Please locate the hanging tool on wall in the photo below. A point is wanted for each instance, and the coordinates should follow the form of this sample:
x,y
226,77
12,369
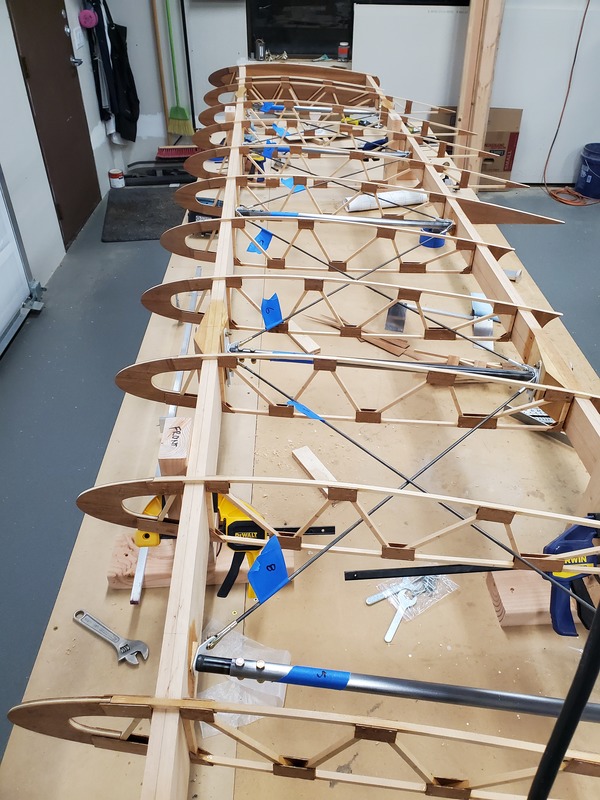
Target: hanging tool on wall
x,y
178,121
574,538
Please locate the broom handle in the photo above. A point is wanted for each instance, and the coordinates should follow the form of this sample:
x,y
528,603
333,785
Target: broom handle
x,y
172,49
161,67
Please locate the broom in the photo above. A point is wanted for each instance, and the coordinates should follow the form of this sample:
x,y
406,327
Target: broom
x,y
178,122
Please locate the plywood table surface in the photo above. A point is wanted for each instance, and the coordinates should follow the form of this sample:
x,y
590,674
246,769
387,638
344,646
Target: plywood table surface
x,y
321,619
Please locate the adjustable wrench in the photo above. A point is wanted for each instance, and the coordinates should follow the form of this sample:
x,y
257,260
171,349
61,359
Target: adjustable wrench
x,y
127,649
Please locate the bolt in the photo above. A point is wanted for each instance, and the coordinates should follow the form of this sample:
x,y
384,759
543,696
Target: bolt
x,y
239,662
260,664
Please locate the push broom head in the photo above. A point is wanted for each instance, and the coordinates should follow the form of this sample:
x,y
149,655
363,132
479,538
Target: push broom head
x,y
179,122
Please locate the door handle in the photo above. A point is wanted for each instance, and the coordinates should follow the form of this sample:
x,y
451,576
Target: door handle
x,y
77,62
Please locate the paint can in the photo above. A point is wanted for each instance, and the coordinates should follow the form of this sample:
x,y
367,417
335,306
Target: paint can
x,y
116,178
343,51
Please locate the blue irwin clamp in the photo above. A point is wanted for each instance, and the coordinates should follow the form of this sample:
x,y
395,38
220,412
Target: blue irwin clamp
x,y
577,537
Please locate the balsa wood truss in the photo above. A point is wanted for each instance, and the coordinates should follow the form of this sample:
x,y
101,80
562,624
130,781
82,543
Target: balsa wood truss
x,y
284,157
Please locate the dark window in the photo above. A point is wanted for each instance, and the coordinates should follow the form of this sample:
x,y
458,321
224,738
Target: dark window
x,y
300,27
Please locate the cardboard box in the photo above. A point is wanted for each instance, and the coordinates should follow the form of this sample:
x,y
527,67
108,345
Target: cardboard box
x,y
501,138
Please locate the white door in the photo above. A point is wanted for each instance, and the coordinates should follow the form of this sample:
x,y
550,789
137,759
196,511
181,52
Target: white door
x,y
14,284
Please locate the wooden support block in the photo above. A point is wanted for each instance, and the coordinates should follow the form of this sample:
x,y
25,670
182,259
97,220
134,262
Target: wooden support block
x,y
448,788
413,267
340,266
441,378
368,415
295,769
373,734
313,284
386,233
471,420
495,515
340,493
350,331
159,564
281,410
275,263
398,551
520,597
174,446
440,333
322,365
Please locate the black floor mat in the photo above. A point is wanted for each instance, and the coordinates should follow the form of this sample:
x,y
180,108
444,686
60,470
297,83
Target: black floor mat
x,y
136,213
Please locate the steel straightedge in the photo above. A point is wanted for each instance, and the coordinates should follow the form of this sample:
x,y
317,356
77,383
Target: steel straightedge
x,y
391,687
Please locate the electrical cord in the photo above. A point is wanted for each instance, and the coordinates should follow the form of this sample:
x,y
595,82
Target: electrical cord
x,y
566,195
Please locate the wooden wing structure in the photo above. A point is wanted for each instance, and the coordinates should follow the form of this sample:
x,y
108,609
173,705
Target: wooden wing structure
x,y
391,342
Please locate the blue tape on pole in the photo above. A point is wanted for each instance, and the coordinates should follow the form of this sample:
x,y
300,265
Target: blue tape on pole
x,y
263,238
268,574
271,311
289,183
304,410
313,676
284,213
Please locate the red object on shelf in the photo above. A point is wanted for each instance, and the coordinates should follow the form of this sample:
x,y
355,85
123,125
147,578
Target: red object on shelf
x,y
176,151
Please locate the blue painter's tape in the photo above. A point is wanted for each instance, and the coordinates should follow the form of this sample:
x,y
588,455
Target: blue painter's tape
x,y
263,238
320,678
270,309
268,152
270,106
268,574
285,213
279,130
289,183
304,410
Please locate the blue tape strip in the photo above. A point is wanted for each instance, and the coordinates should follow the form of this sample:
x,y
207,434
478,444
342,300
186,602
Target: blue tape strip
x,y
263,238
279,130
304,410
268,574
270,309
289,183
313,676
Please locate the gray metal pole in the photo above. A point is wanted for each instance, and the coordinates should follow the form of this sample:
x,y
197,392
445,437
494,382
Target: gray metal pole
x,y
392,687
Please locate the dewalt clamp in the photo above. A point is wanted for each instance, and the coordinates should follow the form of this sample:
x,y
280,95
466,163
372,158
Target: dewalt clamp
x,y
577,537
235,523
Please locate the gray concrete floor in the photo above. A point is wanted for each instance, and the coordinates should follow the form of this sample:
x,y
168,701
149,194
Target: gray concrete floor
x,y
564,260
58,404
58,400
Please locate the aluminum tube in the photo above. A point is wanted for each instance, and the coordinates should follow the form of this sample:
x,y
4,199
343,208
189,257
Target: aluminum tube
x,y
432,225
391,687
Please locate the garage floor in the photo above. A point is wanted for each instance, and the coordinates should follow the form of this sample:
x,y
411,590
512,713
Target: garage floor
x,y
58,401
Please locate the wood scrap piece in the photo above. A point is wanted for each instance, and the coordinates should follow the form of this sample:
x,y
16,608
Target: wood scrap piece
x,y
314,468
159,564
304,342
520,597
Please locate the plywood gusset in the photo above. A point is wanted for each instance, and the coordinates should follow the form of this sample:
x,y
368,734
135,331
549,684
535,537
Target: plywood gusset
x,y
357,272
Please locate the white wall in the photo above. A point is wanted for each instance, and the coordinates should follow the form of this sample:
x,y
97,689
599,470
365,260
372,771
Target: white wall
x,y
418,53
534,57
22,163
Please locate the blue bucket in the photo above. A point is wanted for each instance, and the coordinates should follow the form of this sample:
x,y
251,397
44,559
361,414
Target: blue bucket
x,y
588,182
